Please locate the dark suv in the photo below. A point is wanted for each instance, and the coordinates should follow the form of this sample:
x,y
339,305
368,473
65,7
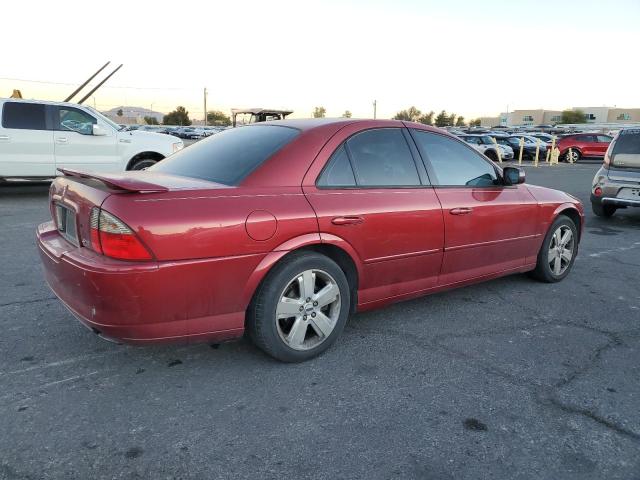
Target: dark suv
x,y
617,183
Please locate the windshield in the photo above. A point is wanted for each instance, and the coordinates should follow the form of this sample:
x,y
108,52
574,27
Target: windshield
x,y
487,140
104,119
230,156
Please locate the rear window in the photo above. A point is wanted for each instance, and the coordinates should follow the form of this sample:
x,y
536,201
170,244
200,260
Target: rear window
x,y
25,116
230,156
626,150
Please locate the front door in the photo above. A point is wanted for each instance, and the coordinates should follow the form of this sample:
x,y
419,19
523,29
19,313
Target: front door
x,y
77,148
489,227
372,195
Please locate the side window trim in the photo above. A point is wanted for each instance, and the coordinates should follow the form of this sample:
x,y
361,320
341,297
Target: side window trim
x,y
421,176
431,171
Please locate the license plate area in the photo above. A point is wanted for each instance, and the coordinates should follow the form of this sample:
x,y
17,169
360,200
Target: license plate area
x,y
66,223
629,193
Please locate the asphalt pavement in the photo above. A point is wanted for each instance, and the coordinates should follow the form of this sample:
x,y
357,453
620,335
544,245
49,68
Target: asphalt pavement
x,y
510,379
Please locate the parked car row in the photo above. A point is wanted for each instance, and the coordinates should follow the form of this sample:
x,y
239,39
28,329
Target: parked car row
x,y
190,133
573,147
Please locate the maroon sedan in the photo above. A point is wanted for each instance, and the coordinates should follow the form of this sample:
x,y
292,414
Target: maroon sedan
x,y
283,229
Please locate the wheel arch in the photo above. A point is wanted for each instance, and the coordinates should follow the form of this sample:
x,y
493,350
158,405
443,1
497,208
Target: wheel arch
x,y
146,154
572,212
333,247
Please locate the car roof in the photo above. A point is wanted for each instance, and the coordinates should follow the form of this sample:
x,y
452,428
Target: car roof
x,y
46,102
305,124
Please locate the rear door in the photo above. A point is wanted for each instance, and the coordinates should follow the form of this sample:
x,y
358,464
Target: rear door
x,y
489,227
373,195
587,145
75,145
26,141
601,145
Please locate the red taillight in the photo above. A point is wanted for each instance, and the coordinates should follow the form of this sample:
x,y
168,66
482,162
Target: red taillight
x,y
110,236
597,191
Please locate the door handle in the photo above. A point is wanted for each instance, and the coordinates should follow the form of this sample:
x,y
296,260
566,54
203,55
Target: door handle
x,y
61,140
4,138
461,211
348,220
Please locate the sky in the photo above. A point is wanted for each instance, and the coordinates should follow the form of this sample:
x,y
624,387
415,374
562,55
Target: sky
x,y
474,58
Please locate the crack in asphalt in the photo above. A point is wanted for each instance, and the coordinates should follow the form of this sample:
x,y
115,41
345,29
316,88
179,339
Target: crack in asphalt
x,y
542,394
26,302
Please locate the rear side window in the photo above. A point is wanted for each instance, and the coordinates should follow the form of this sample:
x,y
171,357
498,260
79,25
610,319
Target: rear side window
x,y
454,163
382,158
626,149
230,156
338,172
25,116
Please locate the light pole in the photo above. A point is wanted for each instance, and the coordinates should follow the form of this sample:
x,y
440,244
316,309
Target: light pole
x,y
205,106
375,106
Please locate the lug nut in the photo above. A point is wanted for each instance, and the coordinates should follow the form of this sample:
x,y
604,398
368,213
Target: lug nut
x,y
315,304
313,314
308,299
304,317
301,308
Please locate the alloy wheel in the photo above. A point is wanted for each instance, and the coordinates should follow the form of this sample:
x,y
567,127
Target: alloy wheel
x,y
308,309
561,250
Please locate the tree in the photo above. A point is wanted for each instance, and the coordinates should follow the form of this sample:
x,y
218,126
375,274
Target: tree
x,y
572,116
119,112
427,118
412,114
319,112
150,120
475,123
452,119
443,120
346,114
179,116
460,121
216,117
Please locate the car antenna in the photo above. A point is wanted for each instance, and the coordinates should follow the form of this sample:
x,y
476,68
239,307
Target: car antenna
x,y
75,92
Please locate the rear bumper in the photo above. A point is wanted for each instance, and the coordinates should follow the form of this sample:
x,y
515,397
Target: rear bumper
x,y
618,202
147,302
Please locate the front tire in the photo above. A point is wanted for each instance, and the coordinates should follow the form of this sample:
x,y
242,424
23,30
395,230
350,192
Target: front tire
x,y
301,307
558,251
573,158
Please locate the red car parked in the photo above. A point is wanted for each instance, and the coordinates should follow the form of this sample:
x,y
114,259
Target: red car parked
x,y
282,229
583,145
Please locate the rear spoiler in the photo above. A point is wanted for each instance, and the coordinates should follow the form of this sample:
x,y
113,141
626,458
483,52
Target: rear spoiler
x,y
117,181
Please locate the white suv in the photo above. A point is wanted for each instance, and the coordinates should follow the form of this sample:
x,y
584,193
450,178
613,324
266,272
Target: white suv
x,y
38,137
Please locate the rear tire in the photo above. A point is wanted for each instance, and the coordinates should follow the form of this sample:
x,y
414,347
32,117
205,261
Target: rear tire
x,y
558,251
290,318
601,210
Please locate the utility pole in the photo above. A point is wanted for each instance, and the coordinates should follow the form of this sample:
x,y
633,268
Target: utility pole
x,y
375,106
205,106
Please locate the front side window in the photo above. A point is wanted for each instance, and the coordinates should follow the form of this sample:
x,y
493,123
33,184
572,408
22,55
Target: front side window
x,y
24,116
229,156
454,163
604,139
74,120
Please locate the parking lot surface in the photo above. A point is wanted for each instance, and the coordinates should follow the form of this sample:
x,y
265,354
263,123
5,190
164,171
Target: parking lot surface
x,y
510,379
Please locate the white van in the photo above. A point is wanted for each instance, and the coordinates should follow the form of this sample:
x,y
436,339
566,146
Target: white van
x,y
38,137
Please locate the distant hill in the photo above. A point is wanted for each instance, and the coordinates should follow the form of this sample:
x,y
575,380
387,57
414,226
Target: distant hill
x,y
134,112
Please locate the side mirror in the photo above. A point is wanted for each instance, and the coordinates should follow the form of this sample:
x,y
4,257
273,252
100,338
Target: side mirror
x,y
513,175
98,131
